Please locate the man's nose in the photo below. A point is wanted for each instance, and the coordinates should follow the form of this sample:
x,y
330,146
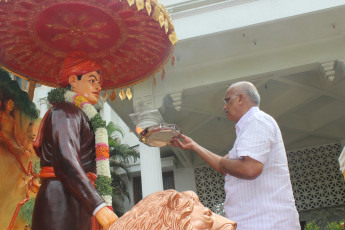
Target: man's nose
x,y
98,87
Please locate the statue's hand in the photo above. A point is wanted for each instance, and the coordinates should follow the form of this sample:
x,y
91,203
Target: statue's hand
x,y
106,217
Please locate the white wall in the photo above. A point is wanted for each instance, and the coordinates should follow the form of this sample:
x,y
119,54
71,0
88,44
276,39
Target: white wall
x,y
40,95
213,17
184,179
128,137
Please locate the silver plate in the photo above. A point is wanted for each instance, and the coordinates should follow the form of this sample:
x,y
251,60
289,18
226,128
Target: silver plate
x,y
159,135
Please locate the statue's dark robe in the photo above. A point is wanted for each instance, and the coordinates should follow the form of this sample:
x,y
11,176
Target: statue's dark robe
x,y
68,145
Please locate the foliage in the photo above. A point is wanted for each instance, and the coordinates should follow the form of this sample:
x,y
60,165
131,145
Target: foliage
x,y
330,226
120,190
9,89
311,226
97,122
36,167
26,211
103,185
120,155
119,152
334,226
112,129
56,95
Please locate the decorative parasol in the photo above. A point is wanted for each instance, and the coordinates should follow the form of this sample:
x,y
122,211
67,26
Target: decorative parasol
x,y
131,39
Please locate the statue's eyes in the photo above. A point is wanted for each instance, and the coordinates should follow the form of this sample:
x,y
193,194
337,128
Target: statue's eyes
x,y
92,78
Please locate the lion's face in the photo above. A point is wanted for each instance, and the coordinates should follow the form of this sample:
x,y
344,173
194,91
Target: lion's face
x,y
203,218
170,209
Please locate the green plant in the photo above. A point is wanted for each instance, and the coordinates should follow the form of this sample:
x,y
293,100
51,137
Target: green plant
x,y
56,95
120,155
334,226
311,226
26,210
10,89
112,129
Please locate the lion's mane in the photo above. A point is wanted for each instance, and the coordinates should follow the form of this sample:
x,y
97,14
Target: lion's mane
x,y
162,210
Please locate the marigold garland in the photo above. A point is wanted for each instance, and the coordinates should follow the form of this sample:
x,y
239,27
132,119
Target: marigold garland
x,y
102,151
103,181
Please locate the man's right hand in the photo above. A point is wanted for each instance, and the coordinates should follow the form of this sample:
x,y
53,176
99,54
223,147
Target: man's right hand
x,y
183,142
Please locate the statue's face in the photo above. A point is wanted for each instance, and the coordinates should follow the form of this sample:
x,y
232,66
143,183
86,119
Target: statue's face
x,y
9,105
88,86
203,218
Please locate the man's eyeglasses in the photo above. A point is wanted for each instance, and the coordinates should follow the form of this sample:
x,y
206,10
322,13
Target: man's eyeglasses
x,y
227,99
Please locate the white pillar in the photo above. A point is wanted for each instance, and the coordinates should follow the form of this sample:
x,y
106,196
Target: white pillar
x,y
151,169
150,159
44,104
106,112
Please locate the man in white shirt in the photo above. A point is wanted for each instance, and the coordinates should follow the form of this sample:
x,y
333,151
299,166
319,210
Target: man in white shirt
x,y
257,179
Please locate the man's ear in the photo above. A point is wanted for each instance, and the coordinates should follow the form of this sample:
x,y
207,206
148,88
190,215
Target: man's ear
x,y
241,97
72,80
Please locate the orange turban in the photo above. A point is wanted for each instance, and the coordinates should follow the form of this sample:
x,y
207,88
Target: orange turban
x,y
76,63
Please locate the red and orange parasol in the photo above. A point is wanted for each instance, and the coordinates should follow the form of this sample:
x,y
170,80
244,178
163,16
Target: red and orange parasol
x,y
131,39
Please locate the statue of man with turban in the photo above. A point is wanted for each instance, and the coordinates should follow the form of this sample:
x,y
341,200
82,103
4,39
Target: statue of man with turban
x,y
67,198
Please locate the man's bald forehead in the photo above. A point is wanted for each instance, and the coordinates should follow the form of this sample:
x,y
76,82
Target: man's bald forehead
x,y
241,84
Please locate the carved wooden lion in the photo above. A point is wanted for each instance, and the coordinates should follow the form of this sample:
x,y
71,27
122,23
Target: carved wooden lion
x,y
174,211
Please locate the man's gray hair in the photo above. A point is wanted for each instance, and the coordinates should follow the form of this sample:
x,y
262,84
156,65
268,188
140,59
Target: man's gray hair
x,y
249,90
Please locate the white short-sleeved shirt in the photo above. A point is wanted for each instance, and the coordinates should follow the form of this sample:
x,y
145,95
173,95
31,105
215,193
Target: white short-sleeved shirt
x,y
267,202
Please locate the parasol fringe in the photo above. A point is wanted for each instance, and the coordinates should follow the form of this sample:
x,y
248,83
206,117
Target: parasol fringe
x,y
156,12
140,4
148,7
122,94
130,2
161,19
129,94
161,15
173,38
31,89
112,96
154,80
173,59
163,74
166,26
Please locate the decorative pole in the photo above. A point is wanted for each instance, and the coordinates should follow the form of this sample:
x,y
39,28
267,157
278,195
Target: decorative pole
x,y
31,89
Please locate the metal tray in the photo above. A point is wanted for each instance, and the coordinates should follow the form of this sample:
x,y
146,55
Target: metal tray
x,y
159,135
